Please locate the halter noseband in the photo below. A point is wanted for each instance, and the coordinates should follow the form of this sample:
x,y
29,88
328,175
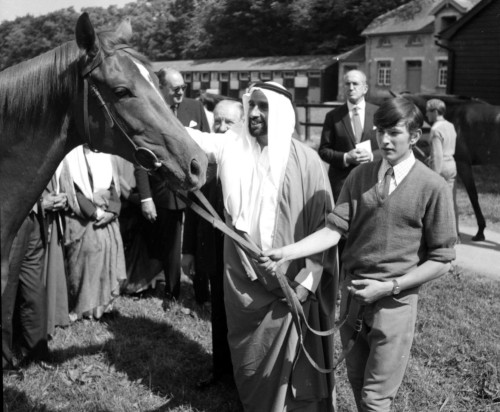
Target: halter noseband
x,y
90,87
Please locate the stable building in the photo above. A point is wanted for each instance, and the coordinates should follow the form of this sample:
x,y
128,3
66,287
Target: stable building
x,y
473,45
402,53
310,79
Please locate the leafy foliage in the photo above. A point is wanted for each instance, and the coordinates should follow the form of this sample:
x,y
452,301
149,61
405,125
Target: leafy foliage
x,y
178,29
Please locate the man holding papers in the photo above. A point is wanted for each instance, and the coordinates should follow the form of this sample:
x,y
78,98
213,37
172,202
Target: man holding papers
x,y
348,136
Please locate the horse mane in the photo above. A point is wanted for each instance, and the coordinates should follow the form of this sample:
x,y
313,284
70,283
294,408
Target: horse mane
x,y
37,93
37,89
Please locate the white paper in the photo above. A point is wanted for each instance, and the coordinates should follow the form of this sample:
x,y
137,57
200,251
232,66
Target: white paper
x,y
366,145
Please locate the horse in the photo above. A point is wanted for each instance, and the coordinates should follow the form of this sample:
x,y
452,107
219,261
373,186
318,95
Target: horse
x,y
478,139
94,90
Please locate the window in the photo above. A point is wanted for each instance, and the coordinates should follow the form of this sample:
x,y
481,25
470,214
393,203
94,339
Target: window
x,y
187,77
276,75
414,40
223,77
205,77
234,75
384,73
244,76
447,21
442,73
288,75
214,76
196,77
384,42
254,76
265,76
314,74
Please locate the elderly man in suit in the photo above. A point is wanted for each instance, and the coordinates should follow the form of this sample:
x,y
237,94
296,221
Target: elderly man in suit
x,y
158,204
348,136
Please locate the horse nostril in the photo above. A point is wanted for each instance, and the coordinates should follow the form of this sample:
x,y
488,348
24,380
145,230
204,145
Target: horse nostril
x,y
195,168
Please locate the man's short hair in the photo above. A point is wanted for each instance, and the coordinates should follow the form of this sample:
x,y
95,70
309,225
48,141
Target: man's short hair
x,y
436,104
231,102
163,73
361,73
393,111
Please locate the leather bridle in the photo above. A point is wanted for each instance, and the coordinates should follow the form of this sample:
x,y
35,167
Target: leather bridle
x,y
90,88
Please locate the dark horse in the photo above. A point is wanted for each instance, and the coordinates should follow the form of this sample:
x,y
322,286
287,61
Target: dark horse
x,y
46,110
478,139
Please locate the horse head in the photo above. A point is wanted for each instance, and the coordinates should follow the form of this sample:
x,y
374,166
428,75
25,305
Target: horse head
x,y
122,105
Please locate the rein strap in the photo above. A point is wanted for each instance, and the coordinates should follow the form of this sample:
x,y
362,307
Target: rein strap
x,y
250,248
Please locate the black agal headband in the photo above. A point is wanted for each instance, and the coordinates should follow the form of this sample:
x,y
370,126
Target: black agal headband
x,y
274,88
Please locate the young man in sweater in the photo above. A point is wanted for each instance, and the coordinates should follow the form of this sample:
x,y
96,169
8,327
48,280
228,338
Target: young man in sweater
x,y
398,217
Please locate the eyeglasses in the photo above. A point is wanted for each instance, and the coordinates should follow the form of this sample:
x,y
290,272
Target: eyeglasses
x,y
179,88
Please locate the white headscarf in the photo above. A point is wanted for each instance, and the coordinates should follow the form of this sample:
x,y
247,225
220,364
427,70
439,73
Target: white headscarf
x,y
251,194
101,170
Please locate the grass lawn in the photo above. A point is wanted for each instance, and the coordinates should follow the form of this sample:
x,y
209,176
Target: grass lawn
x,y
144,359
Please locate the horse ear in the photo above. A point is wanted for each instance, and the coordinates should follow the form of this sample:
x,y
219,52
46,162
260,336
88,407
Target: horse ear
x,y
124,30
85,35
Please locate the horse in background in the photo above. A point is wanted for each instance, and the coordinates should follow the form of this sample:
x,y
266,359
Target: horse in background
x,y
478,139
95,90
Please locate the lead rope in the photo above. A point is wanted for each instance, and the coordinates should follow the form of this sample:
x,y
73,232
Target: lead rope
x,y
297,312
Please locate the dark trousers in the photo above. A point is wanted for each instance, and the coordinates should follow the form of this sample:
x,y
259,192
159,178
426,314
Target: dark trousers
x,y
164,242
221,356
25,293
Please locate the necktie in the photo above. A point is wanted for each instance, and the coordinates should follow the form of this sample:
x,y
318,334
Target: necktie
x,y
356,120
386,183
174,109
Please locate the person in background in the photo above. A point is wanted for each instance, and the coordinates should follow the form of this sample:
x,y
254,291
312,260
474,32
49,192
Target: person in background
x,y
443,138
202,250
26,341
159,205
275,191
348,137
143,271
398,215
94,248
54,203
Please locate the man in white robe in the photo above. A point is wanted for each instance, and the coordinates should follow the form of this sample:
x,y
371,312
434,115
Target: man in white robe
x,y
275,191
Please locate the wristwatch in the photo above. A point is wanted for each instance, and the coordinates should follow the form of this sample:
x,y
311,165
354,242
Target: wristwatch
x,y
395,287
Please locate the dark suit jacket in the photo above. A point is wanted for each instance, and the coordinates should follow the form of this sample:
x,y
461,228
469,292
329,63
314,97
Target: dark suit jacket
x,y
191,113
337,138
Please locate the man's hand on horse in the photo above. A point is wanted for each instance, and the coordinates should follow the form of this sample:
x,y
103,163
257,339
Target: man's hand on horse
x,y
149,210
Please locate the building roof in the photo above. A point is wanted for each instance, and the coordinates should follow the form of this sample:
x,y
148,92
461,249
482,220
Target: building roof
x,y
450,31
311,62
355,55
414,16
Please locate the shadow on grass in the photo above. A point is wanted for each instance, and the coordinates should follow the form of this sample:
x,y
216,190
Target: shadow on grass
x,y
15,400
157,354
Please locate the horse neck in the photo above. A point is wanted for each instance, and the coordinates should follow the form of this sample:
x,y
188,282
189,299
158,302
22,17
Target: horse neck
x,y
37,94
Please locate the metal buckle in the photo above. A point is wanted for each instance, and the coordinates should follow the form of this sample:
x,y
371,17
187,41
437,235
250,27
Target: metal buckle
x,y
146,159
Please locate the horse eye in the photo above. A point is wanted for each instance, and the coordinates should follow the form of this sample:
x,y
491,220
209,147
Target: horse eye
x,y
121,92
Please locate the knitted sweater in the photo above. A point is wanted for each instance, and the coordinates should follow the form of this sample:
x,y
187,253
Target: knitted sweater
x,y
386,239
